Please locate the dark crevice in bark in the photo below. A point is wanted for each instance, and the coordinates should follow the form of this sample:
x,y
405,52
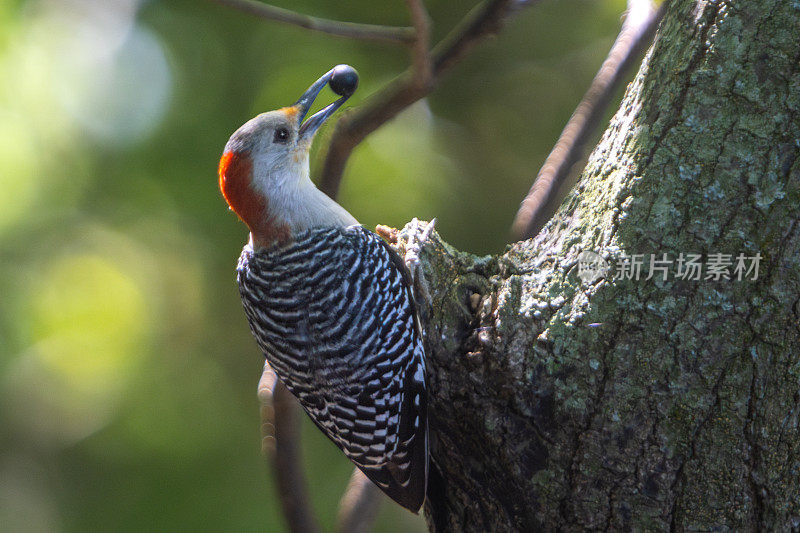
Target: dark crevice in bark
x,y
748,431
678,104
680,477
567,513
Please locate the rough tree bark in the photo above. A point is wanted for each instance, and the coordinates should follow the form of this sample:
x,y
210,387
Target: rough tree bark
x,y
640,404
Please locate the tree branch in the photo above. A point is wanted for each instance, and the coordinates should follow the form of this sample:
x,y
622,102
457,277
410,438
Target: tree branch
x,y
485,20
423,71
358,508
547,191
352,30
280,430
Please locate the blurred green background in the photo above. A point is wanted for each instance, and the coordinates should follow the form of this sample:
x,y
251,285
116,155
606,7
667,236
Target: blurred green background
x,y
127,371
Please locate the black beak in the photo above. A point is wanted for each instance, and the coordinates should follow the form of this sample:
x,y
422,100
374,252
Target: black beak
x,y
343,80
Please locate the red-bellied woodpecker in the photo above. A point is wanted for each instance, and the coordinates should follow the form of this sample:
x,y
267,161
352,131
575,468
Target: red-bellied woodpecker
x,y
329,303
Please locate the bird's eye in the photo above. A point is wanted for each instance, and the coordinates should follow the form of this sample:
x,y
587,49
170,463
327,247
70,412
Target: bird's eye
x,y
281,135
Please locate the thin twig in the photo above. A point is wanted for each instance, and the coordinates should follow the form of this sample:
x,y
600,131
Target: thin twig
x,y
485,20
359,506
421,54
280,431
352,30
548,191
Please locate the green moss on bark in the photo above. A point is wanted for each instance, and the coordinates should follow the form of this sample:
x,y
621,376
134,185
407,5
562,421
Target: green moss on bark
x,y
640,404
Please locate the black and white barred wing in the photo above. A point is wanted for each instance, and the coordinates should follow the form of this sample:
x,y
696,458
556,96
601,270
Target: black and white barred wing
x,y
335,317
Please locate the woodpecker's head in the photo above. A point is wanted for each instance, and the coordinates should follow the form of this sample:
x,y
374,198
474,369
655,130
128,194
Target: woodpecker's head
x,y
264,174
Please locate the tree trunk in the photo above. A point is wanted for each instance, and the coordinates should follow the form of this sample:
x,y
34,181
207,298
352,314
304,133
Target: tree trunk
x,y
561,402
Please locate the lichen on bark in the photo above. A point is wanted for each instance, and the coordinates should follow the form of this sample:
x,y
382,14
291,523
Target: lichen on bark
x,y
643,404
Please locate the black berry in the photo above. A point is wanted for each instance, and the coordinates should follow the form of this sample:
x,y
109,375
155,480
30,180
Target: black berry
x,y
344,80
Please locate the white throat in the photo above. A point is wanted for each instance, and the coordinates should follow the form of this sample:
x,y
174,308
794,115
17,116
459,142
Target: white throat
x,y
294,200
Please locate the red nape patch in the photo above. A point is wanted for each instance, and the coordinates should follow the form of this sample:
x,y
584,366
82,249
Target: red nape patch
x,y
235,173
235,176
